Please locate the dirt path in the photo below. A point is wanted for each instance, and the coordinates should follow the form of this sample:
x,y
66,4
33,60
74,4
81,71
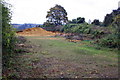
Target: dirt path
x,y
50,57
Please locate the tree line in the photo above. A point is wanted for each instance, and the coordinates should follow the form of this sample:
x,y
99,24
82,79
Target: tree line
x,y
57,20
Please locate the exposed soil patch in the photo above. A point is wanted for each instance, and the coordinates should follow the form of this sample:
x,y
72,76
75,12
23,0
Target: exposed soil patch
x,y
41,32
35,32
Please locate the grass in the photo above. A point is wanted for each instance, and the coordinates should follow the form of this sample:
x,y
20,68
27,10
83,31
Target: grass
x,y
52,55
74,51
83,47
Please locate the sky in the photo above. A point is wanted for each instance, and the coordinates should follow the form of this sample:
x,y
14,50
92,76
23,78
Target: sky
x,y
35,11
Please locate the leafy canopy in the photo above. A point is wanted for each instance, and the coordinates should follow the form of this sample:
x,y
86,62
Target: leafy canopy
x,y
57,15
8,34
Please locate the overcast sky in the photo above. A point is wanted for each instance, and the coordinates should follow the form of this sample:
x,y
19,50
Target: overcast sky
x,y
35,11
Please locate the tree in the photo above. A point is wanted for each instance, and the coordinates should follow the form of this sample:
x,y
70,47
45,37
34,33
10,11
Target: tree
x,y
57,15
109,18
80,20
96,22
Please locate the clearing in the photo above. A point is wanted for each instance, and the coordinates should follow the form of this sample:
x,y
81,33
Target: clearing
x,y
56,57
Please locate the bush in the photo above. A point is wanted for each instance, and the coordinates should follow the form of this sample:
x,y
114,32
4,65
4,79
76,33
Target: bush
x,y
8,36
8,33
77,28
113,40
110,41
97,33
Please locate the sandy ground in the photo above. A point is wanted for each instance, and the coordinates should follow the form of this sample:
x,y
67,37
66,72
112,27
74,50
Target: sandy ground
x,y
35,32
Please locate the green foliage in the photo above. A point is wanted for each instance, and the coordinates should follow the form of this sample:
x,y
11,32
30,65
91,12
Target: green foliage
x,y
116,25
68,28
96,33
110,41
77,28
113,40
84,28
81,28
8,36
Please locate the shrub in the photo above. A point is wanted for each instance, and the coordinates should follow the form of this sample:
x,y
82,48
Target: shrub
x,y
110,41
113,40
77,28
8,36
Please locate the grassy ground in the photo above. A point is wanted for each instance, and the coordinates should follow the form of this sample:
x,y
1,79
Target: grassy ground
x,y
58,58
